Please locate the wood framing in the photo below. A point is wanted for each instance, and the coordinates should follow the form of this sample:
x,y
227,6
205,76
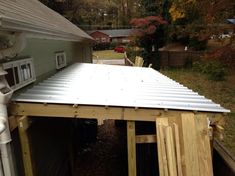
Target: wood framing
x,y
96,112
13,122
161,147
131,148
203,146
23,125
143,139
190,145
177,131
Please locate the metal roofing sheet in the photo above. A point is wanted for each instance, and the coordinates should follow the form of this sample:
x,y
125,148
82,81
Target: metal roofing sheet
x,y
109,85
33,16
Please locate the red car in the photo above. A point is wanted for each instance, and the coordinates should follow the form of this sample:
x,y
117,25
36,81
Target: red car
x,y
120,49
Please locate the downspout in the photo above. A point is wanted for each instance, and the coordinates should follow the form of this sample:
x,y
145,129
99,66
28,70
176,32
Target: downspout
x,y
16,46
16,43
5,136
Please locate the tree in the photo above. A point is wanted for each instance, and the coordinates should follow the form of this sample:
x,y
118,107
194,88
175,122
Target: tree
x,y
150,37
200,19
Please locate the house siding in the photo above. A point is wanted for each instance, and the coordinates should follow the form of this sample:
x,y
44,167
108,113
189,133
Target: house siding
x,y
50,139
43,53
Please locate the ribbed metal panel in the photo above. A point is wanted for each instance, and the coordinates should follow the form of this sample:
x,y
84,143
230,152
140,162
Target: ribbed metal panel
x,y
33,16
108,85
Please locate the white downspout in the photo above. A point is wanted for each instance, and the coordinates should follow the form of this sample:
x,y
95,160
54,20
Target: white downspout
x,y
5,137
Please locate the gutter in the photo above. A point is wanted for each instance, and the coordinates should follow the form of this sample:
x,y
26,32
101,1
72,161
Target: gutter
x,y
48,33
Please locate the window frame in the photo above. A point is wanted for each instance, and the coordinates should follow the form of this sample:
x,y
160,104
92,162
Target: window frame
x,y
30,72
64,63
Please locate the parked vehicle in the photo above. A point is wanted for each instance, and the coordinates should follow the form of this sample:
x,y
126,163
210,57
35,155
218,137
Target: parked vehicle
x,y
120,49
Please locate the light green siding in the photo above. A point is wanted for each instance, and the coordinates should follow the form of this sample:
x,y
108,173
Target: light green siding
x,y
43,53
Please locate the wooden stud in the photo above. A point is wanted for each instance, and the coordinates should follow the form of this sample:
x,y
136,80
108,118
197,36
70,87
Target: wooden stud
x,y
25,145
131,147
143,139
163,150
162,160
190,144
13,123
177,149
203,146
178,121
170,152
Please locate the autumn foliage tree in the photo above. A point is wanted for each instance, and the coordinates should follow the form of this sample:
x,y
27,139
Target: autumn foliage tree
x,y
194,20
201,19
149,35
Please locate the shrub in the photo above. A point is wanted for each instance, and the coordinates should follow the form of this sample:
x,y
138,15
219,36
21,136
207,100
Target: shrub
x,y
214,70
113,45
197,44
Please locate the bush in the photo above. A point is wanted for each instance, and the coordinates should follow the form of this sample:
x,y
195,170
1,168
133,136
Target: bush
x,y
214,70
198,45
101,46
113,45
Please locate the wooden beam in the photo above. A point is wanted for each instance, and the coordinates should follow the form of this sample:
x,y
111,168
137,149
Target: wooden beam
x,y
190,144
23,124
177,149
203,146
161,148
13,122
170,151
131,147
143,139
96,112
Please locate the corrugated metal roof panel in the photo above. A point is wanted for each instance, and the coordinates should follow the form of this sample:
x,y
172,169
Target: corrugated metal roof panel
x,y
109,85
33,16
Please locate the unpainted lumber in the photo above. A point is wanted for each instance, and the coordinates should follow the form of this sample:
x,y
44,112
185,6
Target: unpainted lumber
x,y
131,147
25,146
170,152
203,146
161,148
143,139
177,149
190,144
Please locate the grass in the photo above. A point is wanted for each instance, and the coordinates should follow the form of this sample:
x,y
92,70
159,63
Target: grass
x,y
107,54
222,92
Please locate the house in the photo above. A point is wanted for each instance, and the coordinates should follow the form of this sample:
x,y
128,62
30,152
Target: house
x,y
35,42
114,35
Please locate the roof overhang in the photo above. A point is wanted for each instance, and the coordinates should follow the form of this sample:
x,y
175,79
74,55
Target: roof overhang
x,y
38,21
34,31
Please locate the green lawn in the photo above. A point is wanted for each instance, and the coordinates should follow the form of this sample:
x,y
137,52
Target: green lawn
x,y
222,92
107,54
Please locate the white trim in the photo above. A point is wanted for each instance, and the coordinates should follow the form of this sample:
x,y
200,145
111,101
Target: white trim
x,y
60,59
25,75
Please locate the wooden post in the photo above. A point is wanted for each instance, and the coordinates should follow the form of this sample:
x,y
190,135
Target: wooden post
x,y
131,147
23,125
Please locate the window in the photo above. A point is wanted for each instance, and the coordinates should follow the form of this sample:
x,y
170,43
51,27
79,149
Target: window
x,y
103,39
20,73
60,59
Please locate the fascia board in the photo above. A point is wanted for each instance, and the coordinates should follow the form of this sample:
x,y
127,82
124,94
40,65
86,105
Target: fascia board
x,y
38,31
